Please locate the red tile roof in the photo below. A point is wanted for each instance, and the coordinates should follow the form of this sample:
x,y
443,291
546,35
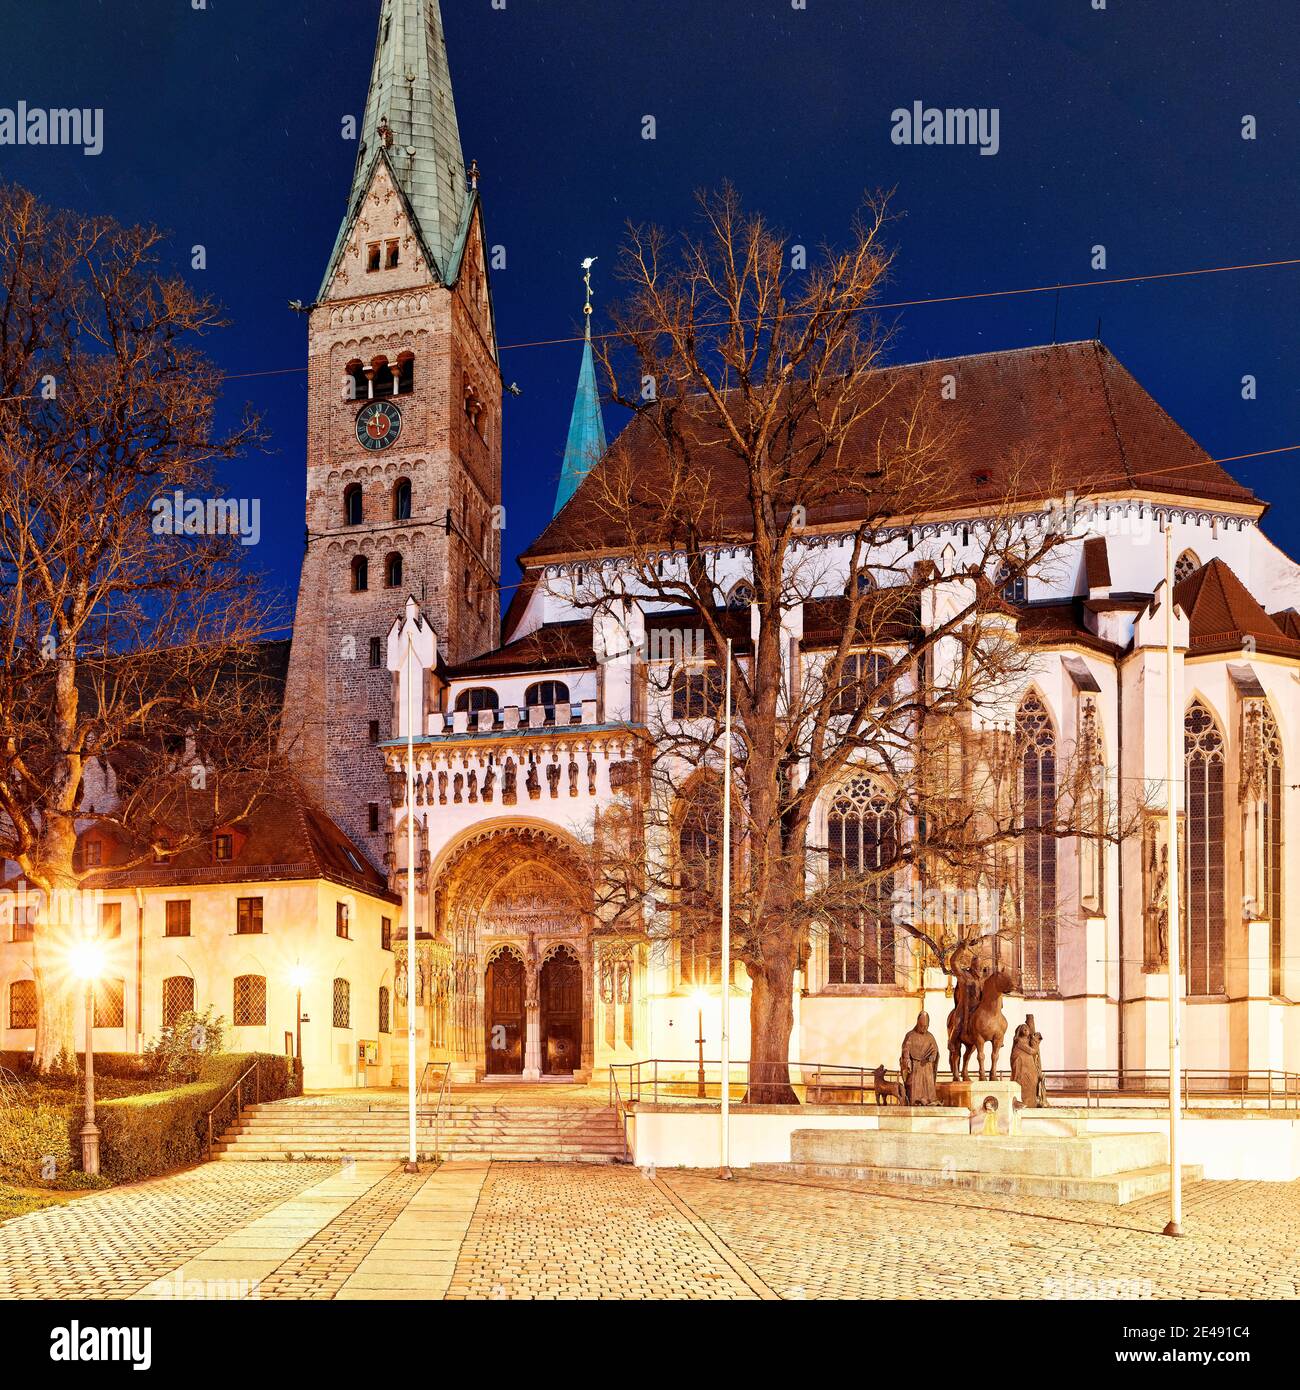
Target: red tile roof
x,y
555,646
285,837
1020,417
1224,615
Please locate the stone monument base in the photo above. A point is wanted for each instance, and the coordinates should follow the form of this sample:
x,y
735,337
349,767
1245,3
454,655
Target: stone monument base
x,y
993,1103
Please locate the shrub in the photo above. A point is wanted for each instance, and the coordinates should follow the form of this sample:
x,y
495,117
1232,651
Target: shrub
x,y
145,1135
182,1048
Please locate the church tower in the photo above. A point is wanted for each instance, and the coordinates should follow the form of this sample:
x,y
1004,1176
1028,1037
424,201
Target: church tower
x,y
403,429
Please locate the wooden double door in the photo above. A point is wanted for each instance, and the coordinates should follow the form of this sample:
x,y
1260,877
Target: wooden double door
x,y
559,1021
560,998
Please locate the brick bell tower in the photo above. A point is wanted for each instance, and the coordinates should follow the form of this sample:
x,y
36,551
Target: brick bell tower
x,y
403,427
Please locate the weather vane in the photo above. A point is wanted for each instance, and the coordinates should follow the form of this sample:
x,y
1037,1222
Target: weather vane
x,y
586,280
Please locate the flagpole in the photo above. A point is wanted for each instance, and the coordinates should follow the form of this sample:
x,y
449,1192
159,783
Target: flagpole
x,y
412,1165
1173,933
725,1170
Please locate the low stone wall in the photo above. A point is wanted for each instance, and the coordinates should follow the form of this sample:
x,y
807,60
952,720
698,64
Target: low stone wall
x,y
1250,1145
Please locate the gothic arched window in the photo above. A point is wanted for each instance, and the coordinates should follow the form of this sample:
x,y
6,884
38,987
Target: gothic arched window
x,y
1186,565
1014,587
1203,752
353,505
360,574
22,1004
1036,766
250,1002
177,997
699,869
740,597
861,844
1269,745
383,1009
402,499
342,1004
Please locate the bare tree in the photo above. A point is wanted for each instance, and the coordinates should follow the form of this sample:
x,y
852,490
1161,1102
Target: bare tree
x,y
133,693
768,427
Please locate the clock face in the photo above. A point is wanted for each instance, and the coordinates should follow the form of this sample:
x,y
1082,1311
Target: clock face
x,y
379,424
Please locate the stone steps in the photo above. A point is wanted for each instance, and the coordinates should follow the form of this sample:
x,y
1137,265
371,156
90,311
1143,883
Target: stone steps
x,y
467,1132
1113,1189
1061,1156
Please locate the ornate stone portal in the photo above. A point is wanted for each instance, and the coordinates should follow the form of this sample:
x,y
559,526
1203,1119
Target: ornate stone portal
x,y
516,908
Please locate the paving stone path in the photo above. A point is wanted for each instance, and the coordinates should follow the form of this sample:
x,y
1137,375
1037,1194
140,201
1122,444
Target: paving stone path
x,y
367,1230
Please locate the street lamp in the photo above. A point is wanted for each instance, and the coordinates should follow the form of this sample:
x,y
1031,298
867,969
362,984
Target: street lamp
x,y
87,961
298,977
699,997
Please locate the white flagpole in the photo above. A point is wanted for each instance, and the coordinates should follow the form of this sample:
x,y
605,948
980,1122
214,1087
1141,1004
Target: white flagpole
x,y
412,1163
726,930
1173,932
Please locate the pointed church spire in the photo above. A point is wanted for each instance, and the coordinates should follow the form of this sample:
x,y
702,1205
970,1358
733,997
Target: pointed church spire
x,y
586,442
410,121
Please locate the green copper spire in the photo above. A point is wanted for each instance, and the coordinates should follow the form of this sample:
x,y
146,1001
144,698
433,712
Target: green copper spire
x,y
410,121
586,442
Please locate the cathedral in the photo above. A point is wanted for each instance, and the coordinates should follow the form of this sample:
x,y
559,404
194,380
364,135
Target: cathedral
x,y
525,729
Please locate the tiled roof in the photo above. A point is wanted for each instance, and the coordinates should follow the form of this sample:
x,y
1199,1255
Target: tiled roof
x,y
1026,422
285,837
410,88
1224,616
1061,624
556,646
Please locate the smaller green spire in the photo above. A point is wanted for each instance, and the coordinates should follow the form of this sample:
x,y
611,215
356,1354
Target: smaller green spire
x,y
586,442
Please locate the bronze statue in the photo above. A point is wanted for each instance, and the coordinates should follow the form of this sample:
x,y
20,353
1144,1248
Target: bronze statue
x,y
1027,1063
984,1023
887,1090
919,1062
965,998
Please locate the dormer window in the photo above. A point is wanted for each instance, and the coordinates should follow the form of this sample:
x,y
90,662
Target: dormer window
x,y
476,698
223,847
372,256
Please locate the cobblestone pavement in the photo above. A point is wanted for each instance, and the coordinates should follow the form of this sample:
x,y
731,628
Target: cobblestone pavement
x,y
322,1230
111,1244
827,1238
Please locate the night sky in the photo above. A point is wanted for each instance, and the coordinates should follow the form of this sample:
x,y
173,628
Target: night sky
x,y
1120,126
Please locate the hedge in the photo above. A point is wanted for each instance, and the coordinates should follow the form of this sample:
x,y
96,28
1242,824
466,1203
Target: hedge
x,y
157,1132
129,1066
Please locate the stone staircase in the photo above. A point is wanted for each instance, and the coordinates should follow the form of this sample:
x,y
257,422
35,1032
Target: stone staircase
x,y
1078,1165
468,1132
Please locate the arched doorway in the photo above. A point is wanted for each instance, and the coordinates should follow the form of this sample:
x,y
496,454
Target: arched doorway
x,y
504,1015
561,1012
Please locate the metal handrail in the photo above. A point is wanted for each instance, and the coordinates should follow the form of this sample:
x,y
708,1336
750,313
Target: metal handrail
x,y
422,1095
237,1090
617,1105
681,1078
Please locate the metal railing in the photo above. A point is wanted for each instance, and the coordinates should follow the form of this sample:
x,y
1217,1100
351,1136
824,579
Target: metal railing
x,y
684,1079
425,1089
1254,1090
237,1090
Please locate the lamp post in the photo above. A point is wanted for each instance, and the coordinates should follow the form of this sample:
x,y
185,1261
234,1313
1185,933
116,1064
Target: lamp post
x,y
725,1040
412,1163
1173,933
698,997
88,963
298,978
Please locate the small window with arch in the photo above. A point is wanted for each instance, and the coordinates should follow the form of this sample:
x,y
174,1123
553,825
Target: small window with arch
x,y
546,693
740,597
1186,565
360,574
393,571
405,374
477,697
353,505
1013,587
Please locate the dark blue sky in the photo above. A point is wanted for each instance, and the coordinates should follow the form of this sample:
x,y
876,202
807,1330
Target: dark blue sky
x,y
1120,126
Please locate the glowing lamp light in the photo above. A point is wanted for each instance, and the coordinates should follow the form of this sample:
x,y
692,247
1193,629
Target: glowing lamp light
x,y
298,976
86,960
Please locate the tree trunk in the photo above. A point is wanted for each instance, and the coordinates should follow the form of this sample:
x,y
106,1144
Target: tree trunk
x,y
60,995
771,1021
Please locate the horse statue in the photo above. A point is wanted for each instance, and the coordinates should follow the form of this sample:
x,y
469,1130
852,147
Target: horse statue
x,y
986,1023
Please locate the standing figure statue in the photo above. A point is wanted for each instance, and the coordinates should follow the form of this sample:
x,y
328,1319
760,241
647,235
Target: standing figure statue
x,y
918,1063
1027,1063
